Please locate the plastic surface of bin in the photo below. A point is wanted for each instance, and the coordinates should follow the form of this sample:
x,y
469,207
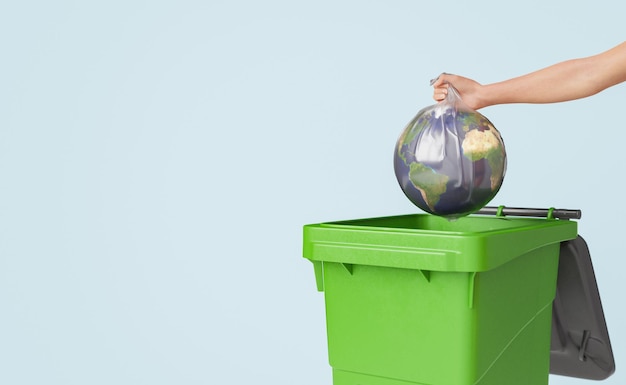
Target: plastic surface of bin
x,y
418,299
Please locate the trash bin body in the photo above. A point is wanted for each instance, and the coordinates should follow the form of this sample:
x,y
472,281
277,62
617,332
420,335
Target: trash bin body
x,y
418,299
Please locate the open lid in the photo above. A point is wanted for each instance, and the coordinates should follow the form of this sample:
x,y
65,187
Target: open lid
x,y
580,344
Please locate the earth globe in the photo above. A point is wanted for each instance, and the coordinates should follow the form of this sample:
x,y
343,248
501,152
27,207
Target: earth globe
x,y
450,160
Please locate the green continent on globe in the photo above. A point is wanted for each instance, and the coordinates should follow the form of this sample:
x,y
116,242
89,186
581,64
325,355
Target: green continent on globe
x,y
472,121
485,144
430,184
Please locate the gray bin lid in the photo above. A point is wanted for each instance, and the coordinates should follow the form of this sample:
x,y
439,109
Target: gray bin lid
x,y
580,345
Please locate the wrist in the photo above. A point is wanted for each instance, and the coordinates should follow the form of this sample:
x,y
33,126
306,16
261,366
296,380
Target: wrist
x,y
484,96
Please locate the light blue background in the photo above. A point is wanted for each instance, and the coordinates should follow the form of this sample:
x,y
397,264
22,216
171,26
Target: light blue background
x,y
158,160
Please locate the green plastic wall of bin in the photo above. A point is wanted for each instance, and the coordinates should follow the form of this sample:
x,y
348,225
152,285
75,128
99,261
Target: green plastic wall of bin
x,y
418,299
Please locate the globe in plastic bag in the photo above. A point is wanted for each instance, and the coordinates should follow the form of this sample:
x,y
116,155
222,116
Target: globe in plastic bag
x,y
450,160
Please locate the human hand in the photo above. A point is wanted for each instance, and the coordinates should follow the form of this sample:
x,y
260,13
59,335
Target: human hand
x,y
468,89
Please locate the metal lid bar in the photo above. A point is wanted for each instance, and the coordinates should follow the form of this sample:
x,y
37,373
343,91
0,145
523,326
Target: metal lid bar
x,y
530,212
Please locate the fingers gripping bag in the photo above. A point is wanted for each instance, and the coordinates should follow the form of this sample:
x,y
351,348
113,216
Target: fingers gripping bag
x,y
450,160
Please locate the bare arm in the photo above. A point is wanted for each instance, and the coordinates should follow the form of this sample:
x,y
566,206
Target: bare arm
x,y
568,80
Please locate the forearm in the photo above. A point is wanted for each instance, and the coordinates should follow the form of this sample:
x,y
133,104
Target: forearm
x,y
573,79
568,80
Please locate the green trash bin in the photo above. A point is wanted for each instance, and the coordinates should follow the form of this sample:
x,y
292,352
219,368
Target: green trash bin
x,y
418,299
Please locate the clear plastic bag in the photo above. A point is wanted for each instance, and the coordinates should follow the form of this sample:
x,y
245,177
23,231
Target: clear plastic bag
x,y
450,160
